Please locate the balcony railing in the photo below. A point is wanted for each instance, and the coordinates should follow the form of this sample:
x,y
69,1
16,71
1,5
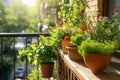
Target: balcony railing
x,y
66,68
14,36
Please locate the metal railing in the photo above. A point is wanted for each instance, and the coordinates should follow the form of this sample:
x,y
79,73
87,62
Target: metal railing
x,y
14,36
64,71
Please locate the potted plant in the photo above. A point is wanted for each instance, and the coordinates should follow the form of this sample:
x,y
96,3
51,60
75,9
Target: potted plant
x,y
101,43
44,53
63,35
46,56
76,38
97,55
72,15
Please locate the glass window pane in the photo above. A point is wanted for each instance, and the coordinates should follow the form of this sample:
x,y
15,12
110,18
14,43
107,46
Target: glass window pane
x,y
114,4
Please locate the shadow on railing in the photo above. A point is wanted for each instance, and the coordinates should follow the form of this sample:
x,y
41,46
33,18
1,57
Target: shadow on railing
x,y
10,43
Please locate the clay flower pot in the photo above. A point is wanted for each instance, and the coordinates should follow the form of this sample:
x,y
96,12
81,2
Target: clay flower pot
x,y
65,43
97,63
73,53
47,70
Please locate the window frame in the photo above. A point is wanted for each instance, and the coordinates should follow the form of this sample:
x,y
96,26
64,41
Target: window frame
x,y
103,6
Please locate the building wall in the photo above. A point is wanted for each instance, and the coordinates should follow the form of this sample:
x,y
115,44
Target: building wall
x,y
102,6
93,7
48,11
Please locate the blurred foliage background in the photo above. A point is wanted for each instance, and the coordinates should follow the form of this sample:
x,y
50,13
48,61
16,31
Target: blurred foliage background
x,y
18,17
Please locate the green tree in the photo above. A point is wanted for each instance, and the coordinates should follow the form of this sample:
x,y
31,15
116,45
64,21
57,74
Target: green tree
x,y
33,18
16,17
2,15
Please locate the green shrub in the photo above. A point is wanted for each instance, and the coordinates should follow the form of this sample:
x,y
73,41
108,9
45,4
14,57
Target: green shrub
x,y
93,47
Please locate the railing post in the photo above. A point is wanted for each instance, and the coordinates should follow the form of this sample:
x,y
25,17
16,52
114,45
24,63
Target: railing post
x,y
14,59
1,55
38,62
26,68
26,63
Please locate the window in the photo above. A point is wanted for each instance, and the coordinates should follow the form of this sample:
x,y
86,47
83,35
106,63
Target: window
x,y
114,4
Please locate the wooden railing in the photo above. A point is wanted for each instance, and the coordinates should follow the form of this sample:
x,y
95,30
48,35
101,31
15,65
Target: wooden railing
x,y
76,70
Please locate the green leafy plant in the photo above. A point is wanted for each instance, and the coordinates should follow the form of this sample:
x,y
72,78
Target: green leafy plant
x,y
106,28
21,62
101,38
42,53
46,53
71,16
75,19
6,66
64,31
94,47
58,34
76,40
74,12
78,35
34,75
54,37
30,53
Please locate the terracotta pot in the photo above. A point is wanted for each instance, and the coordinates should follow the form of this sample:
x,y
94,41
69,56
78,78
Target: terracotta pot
x,y
47,70
65,44
73,53
97,63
